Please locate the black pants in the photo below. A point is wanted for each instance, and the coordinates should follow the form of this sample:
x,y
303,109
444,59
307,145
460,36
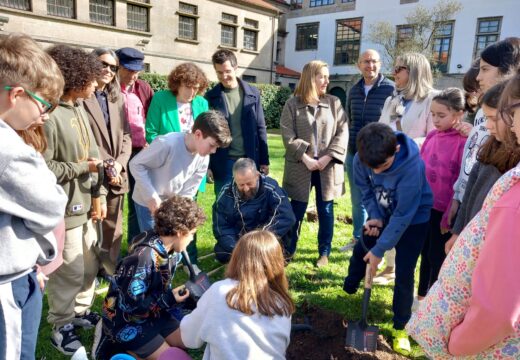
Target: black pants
x,y
432,254
131,222
407,253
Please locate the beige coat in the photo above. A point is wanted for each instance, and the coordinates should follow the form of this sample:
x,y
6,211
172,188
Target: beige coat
x,y
298,138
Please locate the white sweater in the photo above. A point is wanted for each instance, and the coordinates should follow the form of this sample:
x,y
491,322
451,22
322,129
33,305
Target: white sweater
x,y
231,334
166,168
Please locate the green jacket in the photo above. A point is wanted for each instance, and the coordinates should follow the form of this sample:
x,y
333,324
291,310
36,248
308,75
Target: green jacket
x,y
163,118
70,143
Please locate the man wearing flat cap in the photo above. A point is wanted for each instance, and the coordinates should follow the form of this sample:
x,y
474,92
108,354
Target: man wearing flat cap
x,y
138,95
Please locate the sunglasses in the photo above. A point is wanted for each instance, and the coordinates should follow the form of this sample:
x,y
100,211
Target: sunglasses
x,y
397,69
112,68
508,113
47,106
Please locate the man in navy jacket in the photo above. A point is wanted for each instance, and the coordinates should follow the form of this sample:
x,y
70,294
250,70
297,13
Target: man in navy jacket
x,y
250,202
240,104
364,105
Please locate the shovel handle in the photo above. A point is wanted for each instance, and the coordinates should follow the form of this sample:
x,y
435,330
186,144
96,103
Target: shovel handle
x,y
96,206
368,277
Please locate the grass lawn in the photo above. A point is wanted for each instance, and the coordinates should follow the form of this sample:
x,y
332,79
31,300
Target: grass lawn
x,y
320,287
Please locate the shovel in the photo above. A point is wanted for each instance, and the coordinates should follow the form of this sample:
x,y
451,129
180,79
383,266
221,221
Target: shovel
x,y
360,335
96,201
197,284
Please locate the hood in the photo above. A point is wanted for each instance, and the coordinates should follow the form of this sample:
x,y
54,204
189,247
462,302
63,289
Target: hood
x,y
150,239
408,152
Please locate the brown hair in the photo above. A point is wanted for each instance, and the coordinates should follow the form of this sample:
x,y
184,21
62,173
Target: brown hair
x,y
212,123
257,264
504,154
178,214
452,98
471,87
24,63
34,137
306,88
223,55
113,88
509,95
188,74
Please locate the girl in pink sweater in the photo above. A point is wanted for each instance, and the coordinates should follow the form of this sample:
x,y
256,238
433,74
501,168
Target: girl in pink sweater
x,y
442,154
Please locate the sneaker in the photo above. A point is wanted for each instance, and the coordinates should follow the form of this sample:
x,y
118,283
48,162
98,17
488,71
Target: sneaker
x,y
80,354
97,339
401,343
65,339
349,246
385,277
322,261
87,320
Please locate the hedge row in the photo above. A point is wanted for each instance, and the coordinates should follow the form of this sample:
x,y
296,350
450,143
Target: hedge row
x,y
273,97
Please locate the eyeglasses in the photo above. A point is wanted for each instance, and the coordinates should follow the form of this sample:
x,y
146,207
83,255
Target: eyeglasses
x,y
397,69
507,113
47,106
112,68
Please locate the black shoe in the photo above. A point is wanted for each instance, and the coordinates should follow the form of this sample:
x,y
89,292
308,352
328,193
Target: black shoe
x,y
65,339
87,320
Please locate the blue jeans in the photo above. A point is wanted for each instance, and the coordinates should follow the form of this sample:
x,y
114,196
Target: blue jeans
x,y
359,214
21,309
132,222
144,217
407,249
219,183
325,219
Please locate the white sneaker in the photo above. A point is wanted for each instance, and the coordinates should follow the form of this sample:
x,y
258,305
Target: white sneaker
x,y
65,339
80,354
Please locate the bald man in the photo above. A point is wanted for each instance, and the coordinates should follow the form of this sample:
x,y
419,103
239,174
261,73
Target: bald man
x,y
364,104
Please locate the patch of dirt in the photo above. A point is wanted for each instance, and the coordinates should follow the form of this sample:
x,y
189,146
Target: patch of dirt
x,y
326,340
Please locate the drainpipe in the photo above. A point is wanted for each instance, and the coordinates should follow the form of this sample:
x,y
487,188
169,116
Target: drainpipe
x,y
273,40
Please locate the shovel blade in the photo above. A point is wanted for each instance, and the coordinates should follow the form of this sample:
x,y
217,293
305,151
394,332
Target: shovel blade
x,y
362,337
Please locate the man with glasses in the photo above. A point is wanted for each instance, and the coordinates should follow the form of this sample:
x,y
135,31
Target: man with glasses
x,y
364,104
138,95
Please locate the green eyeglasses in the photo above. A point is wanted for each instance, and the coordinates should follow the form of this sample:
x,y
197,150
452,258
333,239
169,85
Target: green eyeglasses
x,y
47,106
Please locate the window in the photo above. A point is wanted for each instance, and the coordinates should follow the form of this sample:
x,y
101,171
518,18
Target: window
x,y
404,34
442,45
296,4
348,1
61,8
228,30
102,11
307,36
188,21
315,3
348,41
249,78
250,34
16,4
137,17
488,32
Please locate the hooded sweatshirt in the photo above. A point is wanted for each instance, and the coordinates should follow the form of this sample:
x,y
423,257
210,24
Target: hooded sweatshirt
x,y
70,144
31,205
399,196
141,288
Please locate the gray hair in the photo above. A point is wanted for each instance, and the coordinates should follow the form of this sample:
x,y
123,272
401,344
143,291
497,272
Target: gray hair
x,y
113,89
243,164
420,79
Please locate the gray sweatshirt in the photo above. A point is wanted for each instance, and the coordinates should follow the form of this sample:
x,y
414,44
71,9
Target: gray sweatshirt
x,y
166,168
31,205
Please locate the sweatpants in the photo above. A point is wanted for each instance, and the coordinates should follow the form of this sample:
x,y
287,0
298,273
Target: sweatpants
x,y
20,313
407,251
70,289
432,254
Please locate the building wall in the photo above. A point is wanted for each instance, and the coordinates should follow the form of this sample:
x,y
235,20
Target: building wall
x,y
394,11
162,49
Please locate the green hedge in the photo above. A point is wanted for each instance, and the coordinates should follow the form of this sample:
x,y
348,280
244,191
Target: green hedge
x,y
273,97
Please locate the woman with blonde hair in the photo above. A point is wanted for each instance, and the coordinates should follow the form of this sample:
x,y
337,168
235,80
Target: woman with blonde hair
x,y
408,111
315,136
248,314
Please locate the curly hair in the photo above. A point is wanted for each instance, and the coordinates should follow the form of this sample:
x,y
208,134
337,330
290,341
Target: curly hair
x,y
178,215
188,74
77,66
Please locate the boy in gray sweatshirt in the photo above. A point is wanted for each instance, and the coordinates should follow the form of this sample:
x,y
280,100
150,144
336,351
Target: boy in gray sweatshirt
x,y
31,203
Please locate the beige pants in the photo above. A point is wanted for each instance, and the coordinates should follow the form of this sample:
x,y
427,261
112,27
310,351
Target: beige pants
x,y
70,290
390,258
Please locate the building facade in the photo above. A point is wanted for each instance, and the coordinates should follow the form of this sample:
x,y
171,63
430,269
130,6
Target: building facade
x,y
336,31
169,32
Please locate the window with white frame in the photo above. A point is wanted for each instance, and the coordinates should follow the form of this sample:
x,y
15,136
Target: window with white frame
x,y
488,32
228,30
188,16
251,34
102,11
315,3
137,17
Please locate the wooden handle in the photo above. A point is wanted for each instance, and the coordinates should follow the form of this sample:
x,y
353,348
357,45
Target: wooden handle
x,y
96,206
368,277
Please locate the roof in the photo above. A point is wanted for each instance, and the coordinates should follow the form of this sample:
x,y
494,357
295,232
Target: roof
x,y
283,71
262,4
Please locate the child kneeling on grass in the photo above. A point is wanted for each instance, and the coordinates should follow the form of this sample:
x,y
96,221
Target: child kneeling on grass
x,y
248,314
136,316
390,174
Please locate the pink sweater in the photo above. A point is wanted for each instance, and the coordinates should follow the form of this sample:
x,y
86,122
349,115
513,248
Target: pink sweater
x,y
442,155
494,308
